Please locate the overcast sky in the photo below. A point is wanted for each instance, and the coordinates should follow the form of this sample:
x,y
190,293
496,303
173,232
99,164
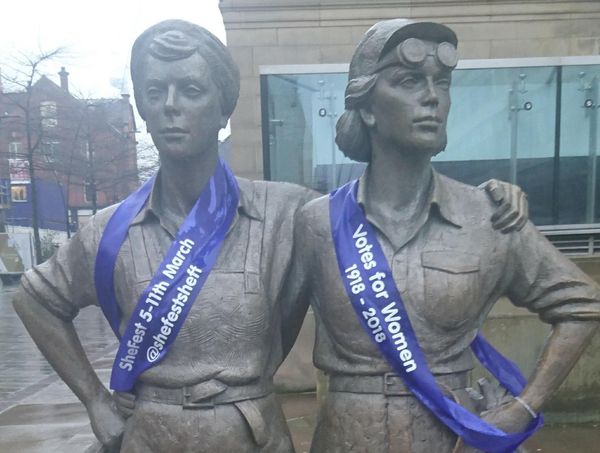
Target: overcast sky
x,y
97,34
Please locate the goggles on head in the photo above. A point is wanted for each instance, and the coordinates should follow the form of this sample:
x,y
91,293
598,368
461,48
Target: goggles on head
x,y
413,52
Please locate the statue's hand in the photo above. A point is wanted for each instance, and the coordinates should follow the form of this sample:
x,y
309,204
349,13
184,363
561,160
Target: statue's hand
x,y
495,399
493,393
107,423
513,211
125,403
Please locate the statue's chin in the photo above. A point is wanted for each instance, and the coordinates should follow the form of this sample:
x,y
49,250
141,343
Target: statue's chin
x,y
439,151
439,147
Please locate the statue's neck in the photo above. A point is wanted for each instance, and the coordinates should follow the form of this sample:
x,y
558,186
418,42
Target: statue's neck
x,y
397,179
182,181
396,194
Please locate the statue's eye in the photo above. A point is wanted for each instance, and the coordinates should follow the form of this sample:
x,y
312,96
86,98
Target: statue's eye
x,y
443,83
192,91
406,79
408,82
153,93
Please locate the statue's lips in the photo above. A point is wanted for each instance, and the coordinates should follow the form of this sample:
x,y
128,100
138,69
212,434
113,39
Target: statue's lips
x,y
428,121
173,132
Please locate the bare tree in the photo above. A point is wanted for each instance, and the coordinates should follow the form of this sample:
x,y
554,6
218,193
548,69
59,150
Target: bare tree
x,y
90,147
25,70
65,163
111,166
85,145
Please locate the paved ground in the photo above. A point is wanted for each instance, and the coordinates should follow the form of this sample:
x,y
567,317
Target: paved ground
x,y
38,413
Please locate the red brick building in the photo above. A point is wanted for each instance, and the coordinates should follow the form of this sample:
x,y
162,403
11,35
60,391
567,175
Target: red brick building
x,y
82,153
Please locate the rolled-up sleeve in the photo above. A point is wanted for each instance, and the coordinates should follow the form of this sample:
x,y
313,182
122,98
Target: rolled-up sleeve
x,y
547,282
65,283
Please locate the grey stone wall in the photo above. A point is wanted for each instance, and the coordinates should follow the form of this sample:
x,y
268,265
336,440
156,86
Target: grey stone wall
x,y
276,32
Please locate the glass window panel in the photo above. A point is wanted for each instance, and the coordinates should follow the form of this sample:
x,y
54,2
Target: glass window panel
x,y
501,125
578,177
15,150
302,112
18,193
48,114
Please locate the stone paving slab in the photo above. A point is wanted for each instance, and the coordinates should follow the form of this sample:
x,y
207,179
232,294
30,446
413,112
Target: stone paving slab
x,y
40,438
42,414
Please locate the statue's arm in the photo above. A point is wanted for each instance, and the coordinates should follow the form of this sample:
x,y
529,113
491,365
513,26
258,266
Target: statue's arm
x,y
563,349
59,343
294,298
560,353
546,282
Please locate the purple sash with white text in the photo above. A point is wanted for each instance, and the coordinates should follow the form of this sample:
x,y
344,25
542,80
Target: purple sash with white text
x,y
376,299
164,304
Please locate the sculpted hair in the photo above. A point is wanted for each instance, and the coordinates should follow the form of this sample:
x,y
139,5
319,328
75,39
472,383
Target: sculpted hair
x,y
172,40
352,135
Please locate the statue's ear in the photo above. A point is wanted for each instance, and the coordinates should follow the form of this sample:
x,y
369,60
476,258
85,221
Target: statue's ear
x,y
367,116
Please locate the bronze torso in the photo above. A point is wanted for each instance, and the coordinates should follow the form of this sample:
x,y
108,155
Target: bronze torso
x,y
230,344
448,288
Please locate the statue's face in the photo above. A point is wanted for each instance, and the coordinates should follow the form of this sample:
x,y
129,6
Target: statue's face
x,y
181,106
409,106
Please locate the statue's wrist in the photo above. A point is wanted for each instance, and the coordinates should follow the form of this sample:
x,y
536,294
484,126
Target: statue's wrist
x,y
524,405
97,396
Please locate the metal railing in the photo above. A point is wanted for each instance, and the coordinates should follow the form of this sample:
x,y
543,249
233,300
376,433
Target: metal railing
x,y
574,240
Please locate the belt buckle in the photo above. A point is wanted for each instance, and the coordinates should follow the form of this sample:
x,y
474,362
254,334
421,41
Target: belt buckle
x,y
393,385
206,403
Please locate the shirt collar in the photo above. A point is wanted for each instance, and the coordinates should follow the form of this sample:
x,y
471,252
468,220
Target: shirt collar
x,y
246,203
442,198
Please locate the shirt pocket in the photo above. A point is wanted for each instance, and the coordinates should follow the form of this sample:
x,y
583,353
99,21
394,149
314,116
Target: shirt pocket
x,y
451,287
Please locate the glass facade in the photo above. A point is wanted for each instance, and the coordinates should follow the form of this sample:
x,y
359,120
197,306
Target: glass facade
x,y
302,111
536,126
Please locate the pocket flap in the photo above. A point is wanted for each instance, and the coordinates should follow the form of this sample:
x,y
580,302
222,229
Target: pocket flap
x,y
450,261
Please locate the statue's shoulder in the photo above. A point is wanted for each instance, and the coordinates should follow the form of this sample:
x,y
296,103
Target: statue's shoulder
x,y
94,227
89,232
100,219
313,217
278,196
461,189
318,206
465,202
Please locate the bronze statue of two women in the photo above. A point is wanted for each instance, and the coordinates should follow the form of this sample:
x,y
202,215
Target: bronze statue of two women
x,y
205,277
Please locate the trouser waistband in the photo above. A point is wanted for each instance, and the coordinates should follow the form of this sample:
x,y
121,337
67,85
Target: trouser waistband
x,y
203,395
389,384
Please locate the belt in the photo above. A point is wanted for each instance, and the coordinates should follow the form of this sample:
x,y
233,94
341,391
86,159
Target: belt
x,y
389,384
204,395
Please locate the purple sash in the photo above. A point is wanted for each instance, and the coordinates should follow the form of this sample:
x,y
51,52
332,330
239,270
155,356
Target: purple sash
x,y
166,301
376,299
